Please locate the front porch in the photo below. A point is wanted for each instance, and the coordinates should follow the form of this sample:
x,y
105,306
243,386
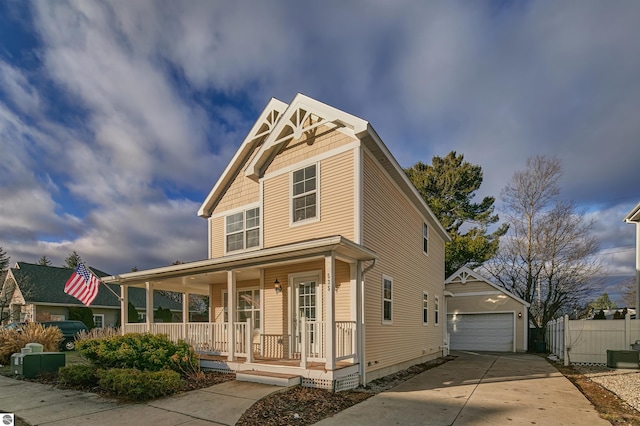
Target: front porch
x,y
250,354
296,314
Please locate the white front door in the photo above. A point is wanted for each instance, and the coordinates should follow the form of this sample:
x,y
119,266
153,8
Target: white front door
x,y
306,303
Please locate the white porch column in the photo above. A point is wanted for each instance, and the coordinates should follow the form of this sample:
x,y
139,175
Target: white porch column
x,y
360,322
231,314
124,308
330,337
354,273
149,293
185,314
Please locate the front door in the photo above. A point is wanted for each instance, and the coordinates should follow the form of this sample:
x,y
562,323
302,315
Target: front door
x,y
306,303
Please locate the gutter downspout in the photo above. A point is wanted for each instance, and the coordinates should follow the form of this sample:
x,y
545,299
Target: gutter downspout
x,y
361,331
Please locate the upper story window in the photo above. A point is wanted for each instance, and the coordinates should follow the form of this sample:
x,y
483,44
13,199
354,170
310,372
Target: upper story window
x,y
242,229
425,238
304,193
387,299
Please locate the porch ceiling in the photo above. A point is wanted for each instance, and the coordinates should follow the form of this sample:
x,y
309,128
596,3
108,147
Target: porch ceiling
x,y
195,277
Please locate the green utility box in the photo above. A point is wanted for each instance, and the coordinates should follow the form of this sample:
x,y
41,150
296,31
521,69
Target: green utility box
x,y
623,359
29,365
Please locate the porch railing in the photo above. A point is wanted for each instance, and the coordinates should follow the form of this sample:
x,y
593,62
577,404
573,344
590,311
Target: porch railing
x,y
345,340
213,338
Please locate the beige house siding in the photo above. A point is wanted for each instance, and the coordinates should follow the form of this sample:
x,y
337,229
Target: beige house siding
x,y
309,146
392,227
336,204
469,287
489,300
217,236
241,192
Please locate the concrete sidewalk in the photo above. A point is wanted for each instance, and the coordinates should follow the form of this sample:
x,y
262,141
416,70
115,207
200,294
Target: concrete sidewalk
x,y
478,389
38,404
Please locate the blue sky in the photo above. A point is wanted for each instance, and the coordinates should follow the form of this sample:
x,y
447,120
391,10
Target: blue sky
x,y
117,118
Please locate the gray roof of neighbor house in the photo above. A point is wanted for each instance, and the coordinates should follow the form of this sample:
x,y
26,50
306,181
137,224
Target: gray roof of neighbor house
x,y
46,285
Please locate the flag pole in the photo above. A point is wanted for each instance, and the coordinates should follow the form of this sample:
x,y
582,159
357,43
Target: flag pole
x,y
106,285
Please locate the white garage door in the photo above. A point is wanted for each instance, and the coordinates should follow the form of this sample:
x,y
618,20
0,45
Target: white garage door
x,y
481,332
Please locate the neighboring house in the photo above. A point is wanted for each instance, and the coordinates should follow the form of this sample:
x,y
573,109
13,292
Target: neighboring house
x,y
634,217
482,316
37,294
322,254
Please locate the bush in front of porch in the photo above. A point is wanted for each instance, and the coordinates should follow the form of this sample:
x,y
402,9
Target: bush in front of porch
x,y
142,351
133,366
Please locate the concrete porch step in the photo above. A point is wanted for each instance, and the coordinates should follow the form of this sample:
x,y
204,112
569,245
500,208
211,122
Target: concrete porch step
x,y
275,379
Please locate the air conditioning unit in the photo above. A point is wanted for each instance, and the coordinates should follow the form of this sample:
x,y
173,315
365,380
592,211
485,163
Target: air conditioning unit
x,y
623,359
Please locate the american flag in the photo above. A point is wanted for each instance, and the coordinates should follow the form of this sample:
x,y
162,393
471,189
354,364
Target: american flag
x,y
82,285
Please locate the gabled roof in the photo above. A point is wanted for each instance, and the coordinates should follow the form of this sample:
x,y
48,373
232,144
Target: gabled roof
x,y
46,286
634,215
465,274
279,123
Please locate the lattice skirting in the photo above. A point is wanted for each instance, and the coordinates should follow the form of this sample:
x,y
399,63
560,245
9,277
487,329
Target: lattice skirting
x,y
344,383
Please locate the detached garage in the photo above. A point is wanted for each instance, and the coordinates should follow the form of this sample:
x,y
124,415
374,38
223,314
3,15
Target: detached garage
x,y
482,316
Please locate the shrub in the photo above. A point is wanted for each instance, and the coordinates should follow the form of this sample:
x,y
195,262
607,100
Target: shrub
x,y
163,315
132,313
139,385
82,313
11,341
146,352
78,376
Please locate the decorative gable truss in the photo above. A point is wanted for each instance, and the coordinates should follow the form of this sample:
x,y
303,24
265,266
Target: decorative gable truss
x,y
304,116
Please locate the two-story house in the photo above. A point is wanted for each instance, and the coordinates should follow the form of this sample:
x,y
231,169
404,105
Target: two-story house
x,y
325,264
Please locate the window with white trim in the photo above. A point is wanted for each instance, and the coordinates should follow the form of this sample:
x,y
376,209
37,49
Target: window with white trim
x,y
387,299
425,307
247,306
304,194
242,229
436,309
98,320
425,238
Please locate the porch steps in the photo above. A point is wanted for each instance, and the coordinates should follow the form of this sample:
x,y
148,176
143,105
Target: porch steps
x,y
267,378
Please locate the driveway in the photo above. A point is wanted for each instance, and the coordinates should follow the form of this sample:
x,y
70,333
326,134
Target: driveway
x,y
478,389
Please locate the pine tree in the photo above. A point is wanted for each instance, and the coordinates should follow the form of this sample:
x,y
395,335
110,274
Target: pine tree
x,y
73,260
44,261
4,261
448,187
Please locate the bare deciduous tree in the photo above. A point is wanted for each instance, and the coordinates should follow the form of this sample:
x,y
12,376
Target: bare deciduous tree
x,y
547,259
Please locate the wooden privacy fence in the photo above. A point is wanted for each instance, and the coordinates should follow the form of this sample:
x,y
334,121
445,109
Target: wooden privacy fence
x,y
587,341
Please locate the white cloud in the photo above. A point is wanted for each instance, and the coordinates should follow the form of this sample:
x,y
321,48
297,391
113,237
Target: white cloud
x,y
164,92
18,88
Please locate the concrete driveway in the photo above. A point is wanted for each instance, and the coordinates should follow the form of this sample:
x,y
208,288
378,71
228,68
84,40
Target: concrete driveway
x,y
478,389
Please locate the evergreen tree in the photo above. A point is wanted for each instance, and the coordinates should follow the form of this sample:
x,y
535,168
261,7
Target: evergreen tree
x,y
132,313
44,261
603,302
448,187
4,261
73,260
